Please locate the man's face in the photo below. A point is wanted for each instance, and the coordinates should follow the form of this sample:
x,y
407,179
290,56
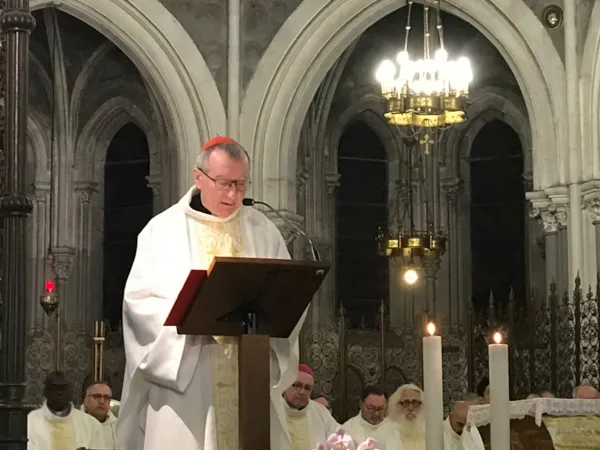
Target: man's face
x,y
222,186
410,402
372,409
97,401
298,395
458,416
58,394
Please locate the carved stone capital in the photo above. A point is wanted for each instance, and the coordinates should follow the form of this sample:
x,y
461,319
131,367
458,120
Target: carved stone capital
x,y
302,177
40,192
154,183
547,218
454,188
332,181
62,262
286,229
85,190
562,216
592,205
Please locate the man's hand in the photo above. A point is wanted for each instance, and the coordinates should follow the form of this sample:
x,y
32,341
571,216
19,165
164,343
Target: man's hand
x,y
340,440
369,444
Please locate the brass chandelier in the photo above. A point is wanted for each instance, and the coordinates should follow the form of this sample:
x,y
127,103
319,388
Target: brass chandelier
x,y
410,245
429,94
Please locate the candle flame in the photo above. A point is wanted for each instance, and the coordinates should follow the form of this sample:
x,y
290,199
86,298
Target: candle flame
x,y
431,328
497,338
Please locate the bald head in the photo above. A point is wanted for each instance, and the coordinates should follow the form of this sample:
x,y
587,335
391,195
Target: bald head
x,y
458,416
586,392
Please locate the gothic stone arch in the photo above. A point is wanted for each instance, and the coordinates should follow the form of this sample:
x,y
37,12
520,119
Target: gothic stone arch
x,y
317,33
169,62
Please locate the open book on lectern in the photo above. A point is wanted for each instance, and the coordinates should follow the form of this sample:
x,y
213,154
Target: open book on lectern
x,y
223,300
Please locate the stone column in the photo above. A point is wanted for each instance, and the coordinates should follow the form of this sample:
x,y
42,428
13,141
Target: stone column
x,y
90,310
155,183
39,240
563,283
593,207
548,220
456,271
15,207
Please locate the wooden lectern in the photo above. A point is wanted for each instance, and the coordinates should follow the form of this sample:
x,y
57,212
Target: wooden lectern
x,y
255,299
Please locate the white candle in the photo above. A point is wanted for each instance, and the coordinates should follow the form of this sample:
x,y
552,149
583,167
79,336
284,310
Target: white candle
x,y
499,400
432,385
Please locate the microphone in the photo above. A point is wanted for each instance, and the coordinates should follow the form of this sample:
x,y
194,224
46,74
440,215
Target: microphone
x,y
313,249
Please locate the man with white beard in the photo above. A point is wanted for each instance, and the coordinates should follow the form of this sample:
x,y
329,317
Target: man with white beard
x,y
370,422
405,411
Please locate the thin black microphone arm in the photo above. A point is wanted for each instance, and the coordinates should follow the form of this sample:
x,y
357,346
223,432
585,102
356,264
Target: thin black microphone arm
x,y
313,248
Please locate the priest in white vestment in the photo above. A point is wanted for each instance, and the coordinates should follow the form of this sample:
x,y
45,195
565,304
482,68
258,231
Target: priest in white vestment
x,y
182,391
370,422
307,423
455,424
58,425
96,403
408,417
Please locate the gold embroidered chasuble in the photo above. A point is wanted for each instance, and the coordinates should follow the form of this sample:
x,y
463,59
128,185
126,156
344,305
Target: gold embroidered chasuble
x,y
62,435
222,238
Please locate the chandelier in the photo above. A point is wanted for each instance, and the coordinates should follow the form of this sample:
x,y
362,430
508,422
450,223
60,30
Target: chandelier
x,y
409,244
429,93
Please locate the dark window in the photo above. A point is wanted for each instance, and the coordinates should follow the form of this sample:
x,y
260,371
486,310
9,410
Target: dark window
x,y
127,209
497,215
361,206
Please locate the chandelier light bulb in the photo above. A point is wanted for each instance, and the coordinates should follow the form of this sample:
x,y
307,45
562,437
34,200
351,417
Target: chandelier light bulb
x,y
411,276
385,74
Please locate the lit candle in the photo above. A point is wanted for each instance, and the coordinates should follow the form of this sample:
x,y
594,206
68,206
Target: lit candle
x,y
432,385
499,400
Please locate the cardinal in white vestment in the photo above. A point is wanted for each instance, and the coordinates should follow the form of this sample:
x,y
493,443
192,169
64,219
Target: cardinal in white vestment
x,y
307,423
96,403
182,391
370,422
406,414
58,425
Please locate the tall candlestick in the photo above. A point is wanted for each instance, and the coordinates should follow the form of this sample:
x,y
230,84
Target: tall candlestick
x,y
499,398
432,384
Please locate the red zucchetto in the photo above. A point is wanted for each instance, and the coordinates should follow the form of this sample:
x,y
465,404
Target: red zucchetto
x,y
218,140
306,369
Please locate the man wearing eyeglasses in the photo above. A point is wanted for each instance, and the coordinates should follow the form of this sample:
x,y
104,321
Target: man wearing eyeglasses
x,y
406,413
182,391
96,403
370,422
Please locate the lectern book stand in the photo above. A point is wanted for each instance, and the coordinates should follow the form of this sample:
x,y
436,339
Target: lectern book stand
x,y
255,299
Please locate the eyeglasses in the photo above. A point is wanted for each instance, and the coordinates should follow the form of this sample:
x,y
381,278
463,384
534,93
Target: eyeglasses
x,y
408,403
98,397
224,185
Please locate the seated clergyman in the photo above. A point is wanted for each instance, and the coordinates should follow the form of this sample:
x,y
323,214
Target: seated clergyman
x,y
57,424
96,403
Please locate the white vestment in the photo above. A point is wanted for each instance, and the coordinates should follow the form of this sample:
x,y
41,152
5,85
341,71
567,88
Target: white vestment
x,y
108,432
302,429
181,391
48,431
384,433
452,440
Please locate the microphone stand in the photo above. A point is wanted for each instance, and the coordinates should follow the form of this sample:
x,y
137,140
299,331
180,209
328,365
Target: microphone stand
x,y
313,248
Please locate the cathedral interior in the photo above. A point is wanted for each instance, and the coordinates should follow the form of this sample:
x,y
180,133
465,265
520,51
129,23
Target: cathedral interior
x,y
122,95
